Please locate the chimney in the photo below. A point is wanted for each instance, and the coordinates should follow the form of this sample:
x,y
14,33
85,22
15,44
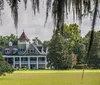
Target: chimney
x,y
35,41
10,44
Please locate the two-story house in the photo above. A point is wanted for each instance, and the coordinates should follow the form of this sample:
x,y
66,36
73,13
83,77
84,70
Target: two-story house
x,y
26,54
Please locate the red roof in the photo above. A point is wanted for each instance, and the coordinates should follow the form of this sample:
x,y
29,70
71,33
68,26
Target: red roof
x,y
24,37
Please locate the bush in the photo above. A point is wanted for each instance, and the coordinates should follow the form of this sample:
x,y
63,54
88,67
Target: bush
x,y
4,66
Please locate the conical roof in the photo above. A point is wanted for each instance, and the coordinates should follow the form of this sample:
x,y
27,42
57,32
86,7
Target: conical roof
x,y
23,37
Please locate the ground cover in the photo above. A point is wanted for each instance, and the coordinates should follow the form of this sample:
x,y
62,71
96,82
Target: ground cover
x,y
51,77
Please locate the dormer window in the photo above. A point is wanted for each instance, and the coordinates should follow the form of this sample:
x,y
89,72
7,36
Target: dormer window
x,y
7,51
31,51
21,50
15,50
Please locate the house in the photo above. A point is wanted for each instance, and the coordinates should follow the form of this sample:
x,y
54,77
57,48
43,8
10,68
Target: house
x,y
26,54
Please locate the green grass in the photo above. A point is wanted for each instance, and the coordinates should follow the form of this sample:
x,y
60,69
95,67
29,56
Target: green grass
x,y
50,77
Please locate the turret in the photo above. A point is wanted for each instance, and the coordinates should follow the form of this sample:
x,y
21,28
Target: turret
x,y
23,42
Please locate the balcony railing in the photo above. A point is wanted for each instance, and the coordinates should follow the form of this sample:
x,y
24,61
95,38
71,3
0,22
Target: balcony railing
x,y
33,62
41,62
24,62
17,62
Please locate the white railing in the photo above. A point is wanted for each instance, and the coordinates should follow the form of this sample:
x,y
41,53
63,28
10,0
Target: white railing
x,y
41,62
24,62
33,62
16,62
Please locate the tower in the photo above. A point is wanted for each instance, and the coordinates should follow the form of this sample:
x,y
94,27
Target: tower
x,y
23,42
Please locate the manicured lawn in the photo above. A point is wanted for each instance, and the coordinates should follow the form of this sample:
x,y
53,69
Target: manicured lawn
x,y
48,77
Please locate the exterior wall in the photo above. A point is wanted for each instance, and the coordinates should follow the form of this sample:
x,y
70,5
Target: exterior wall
x,y
30,62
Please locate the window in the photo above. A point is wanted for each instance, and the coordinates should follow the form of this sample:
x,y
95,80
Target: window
x,y
7,51
24,59
17,59
41,58
33,59
21,50
31,51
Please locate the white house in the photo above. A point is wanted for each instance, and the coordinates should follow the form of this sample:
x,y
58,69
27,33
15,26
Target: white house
x,y
26,54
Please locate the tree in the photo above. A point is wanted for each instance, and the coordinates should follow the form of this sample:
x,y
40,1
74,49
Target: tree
x,y
93,59
46,43
71,32
4,66
80,50
59,53
4,40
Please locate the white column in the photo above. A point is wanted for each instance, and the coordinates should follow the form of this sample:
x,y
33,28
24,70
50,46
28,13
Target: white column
x,y
28,62
14,62
45,62
37,63
20,62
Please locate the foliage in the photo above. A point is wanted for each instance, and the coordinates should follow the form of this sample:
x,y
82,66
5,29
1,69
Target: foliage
x,y
71,32
94,56
46,43
80,50
4,66
4,40
59,55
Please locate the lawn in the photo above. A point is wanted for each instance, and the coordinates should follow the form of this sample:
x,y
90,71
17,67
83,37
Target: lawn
x,y
50,77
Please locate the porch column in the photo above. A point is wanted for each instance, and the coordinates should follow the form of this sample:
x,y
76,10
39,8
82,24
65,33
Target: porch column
x,y
28,62
45,62
37,63
20,62
13,62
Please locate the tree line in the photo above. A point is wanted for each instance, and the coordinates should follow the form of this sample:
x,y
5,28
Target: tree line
x,y
62,48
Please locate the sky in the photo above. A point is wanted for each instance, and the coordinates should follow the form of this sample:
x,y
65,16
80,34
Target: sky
x,y
33,25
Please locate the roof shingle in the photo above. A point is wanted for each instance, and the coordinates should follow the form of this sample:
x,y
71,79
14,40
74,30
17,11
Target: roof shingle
x,y
24,37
